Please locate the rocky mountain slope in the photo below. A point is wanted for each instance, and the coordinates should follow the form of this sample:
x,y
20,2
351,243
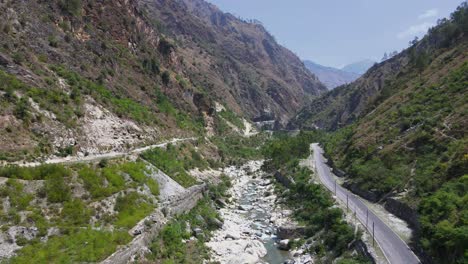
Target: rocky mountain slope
x,y
403,136
83,77
330,76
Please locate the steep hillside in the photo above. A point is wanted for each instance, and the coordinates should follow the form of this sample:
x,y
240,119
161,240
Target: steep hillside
x,y
84,77
407,146
347,103
329,76
241,60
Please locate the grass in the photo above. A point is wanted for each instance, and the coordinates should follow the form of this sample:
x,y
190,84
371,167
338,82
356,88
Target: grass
x,y
235,149
33,173
82,245
169,162
102,182
232,118
131,208
169,248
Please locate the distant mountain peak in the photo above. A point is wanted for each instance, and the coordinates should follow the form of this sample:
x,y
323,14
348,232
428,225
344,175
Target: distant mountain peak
x,y
359,67
331,77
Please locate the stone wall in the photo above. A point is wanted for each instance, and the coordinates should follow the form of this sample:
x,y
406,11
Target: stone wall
x,y
175,205
368,195
283,179
403,211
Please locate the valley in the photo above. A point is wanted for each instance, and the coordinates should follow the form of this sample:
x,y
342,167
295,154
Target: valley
x,y
170,131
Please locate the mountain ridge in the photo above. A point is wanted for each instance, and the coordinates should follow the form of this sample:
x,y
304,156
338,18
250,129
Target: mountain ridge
x,y
331,77
137,71
359,67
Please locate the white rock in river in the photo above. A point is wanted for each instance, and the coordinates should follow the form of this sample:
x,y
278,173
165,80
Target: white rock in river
x,y
284,244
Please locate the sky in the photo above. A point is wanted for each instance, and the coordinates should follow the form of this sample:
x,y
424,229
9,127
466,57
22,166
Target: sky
x,y
338,32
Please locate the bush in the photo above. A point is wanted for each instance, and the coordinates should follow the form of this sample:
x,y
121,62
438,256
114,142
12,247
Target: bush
x,y
73,7
442,217
153,186
165,47
166,78
14,189
57,191
93,182
75,213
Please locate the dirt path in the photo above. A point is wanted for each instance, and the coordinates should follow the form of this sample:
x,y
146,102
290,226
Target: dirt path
x,y
97,157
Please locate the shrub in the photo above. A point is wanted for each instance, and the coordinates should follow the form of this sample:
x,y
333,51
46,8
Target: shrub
x,y
165,47
57,191
53,42
153,186
13,189
73,7
166,78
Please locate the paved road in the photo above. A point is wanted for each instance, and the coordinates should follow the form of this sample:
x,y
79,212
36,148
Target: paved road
x,y
395,250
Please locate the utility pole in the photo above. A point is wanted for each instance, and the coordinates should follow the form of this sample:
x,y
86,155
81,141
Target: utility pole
x,y
373,238
367,218
355,220
335,187
347,207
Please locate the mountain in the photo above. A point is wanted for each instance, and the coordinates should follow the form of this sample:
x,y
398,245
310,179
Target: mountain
x,y
329,76
402,136
359,67
111,75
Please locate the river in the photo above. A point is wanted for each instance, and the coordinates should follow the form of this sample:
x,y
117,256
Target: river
x,y
250,220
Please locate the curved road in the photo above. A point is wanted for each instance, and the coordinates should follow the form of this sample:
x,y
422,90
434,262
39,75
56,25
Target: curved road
x,y
395,250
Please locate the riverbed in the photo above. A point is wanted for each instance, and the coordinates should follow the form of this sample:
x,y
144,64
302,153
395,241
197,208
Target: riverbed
x,y
251,218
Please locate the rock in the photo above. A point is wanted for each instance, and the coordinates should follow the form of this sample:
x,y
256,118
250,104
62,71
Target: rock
x,y
200,218
216,222
137,232
244,207
231,236
198,232
284,244
221,203
297,253
3,60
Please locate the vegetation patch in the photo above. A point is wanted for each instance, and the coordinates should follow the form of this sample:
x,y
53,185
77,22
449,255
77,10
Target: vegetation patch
x,y
131,208
81,245
172,162
313,205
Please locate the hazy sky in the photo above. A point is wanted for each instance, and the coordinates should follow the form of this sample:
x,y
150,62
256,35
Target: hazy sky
x,y
338,32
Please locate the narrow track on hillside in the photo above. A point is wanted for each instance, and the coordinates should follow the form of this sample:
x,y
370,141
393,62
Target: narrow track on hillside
x,y
101,156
